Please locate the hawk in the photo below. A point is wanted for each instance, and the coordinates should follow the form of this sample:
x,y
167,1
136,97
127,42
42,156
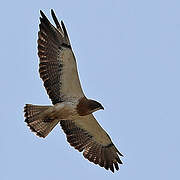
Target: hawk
x,y
71,108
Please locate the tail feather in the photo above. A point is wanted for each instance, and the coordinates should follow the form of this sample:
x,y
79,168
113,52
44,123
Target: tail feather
x,y
35,120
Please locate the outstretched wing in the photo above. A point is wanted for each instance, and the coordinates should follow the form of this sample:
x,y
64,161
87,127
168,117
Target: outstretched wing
x,y
57,66
85,134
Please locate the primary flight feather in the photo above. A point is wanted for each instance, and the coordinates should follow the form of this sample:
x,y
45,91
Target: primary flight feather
x,y
70,108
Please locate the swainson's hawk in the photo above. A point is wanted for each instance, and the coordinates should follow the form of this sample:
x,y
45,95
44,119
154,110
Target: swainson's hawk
x,y
70,107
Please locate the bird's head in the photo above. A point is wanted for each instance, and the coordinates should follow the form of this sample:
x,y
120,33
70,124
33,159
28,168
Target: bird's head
x,y
94,106
88,106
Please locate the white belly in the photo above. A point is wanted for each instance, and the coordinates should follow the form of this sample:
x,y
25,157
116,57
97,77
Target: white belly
x,y
61,111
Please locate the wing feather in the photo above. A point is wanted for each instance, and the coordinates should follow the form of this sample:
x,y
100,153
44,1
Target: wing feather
x,y
85,134
57,67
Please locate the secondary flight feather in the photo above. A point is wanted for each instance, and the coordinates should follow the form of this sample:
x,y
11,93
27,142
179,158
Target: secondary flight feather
x,y
71,108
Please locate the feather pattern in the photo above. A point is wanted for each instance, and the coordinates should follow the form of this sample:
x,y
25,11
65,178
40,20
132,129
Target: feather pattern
x,y
57,67
84,139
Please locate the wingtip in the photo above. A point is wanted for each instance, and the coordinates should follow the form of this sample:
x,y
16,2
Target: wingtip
x,y
55,19
62,23
64,28
112,168
120,154
52,12
42,14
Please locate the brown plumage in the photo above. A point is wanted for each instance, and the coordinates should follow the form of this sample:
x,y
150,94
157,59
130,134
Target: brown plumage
x,y
71,108
104,155
87,106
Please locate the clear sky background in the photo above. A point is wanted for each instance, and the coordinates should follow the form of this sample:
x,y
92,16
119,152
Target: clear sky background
x,y
128,55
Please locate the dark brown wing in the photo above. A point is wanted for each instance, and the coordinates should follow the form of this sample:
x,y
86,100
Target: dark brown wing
x,y
88,136
57,66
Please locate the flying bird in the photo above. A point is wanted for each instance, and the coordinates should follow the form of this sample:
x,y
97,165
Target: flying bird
x,y
70,107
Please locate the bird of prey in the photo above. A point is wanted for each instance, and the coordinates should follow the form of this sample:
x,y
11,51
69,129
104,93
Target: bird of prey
x,y
71,108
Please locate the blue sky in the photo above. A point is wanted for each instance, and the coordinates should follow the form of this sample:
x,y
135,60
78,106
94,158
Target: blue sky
x,y
128,55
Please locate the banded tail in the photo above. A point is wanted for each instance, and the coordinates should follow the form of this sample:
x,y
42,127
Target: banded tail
x,y
35,119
